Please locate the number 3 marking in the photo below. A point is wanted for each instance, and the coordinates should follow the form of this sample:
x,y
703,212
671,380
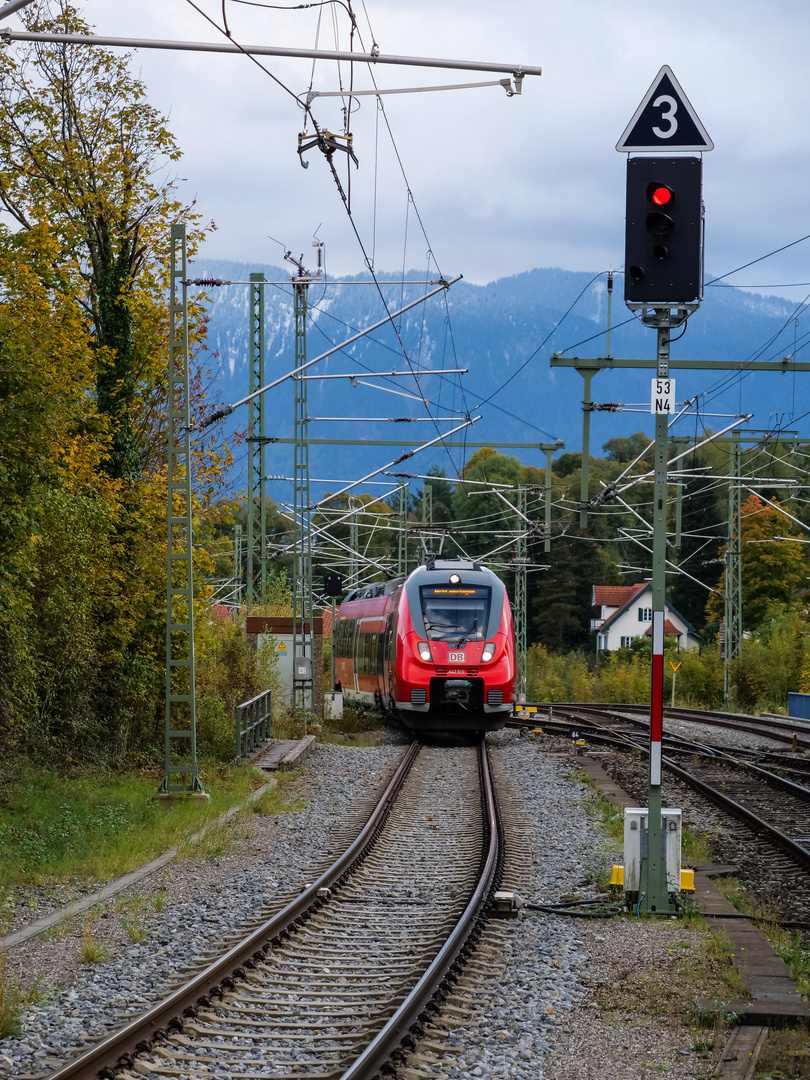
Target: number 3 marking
x,y
667,115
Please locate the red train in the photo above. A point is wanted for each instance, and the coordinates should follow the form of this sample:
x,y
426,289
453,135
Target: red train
x,y
435,650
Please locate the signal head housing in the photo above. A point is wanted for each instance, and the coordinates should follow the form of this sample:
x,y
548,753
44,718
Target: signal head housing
x,y
663,235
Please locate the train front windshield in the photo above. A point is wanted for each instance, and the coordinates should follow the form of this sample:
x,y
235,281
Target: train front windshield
x,y
455,613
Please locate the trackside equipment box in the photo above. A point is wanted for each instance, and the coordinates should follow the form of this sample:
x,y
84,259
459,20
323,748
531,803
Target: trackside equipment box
x,y
637,846
799,705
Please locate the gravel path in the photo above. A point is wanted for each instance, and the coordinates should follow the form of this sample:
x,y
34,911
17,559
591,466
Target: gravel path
x,y
557,1009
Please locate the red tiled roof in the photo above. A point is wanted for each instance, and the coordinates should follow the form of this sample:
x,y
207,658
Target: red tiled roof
x,y
327,622
669,628
616,595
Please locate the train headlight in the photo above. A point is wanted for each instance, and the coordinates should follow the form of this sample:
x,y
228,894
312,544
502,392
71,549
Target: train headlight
x,y
424,652
489,651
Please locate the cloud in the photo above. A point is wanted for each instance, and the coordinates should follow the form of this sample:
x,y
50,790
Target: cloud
x,y
499,184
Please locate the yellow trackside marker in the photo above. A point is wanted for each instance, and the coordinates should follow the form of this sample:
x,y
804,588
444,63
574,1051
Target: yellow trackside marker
x,y
675,666
687,880
617,875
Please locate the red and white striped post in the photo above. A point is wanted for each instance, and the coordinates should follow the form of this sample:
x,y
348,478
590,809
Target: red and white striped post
x,y
654,891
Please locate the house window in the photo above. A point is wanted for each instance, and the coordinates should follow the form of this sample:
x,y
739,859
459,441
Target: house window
x,y
626,642
645,614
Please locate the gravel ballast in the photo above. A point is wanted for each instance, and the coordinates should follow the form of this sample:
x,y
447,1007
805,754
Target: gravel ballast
x,y
544,1015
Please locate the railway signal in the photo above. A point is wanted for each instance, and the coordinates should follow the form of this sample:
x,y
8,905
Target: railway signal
x,y
662,280
663,231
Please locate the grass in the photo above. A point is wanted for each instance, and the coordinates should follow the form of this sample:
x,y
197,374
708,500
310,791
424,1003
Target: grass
x,y
93,826
785,1053
696,847
13,1000
358,726
133,904
160,895
219,840
362,738
213,844
90,952
274,801
59,929
692,975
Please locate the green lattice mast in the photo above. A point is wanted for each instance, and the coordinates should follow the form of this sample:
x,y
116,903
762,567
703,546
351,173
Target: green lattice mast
x,y
181,732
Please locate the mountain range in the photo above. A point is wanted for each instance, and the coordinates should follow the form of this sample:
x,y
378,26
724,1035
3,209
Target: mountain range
x,y
505,333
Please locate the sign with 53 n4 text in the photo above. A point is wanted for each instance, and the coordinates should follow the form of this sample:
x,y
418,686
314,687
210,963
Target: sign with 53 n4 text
x,y
662,397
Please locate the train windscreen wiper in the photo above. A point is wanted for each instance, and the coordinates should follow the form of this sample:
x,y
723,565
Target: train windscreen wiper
x,y
465,637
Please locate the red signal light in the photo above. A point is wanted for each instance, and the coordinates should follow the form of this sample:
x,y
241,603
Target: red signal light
x,y
661,195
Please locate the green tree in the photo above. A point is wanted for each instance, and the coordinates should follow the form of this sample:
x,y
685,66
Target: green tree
x,y
626,448
561,597
484,520
701,523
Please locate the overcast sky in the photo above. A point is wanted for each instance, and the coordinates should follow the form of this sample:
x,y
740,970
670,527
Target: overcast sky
x,y
501,184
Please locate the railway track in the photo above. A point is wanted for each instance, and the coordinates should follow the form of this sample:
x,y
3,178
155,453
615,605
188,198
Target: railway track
x,y
342,978
761,801
781,729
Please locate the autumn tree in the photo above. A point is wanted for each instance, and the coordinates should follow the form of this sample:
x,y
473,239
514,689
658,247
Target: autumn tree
x,y
84,226
773,570
80,149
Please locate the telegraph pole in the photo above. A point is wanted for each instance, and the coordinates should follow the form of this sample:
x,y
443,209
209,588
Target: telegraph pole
x,y
402,538
732,598
549,449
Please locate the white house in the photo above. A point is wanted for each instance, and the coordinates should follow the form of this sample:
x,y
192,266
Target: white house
x,y
626,613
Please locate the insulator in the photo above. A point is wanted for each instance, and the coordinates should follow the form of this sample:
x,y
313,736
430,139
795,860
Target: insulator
x,y
209,281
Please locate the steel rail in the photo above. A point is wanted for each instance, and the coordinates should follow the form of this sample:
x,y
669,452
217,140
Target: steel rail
x,y
389,1038
781,839
117,1050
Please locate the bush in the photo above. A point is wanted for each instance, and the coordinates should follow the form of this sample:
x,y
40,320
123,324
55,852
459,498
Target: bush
x,y
228,674
624,676
557,678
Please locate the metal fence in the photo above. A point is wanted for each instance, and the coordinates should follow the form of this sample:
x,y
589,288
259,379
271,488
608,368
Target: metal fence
x,y
252,724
